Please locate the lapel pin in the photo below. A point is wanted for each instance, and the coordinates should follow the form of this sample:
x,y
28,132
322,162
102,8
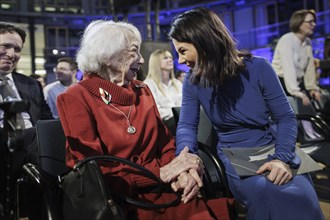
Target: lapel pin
x,y
106,97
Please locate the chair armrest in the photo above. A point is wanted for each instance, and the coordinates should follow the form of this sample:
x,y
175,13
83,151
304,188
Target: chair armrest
x,y
317,121
33,173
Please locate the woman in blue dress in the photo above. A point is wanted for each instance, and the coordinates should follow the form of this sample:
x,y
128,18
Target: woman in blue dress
x,y
245,102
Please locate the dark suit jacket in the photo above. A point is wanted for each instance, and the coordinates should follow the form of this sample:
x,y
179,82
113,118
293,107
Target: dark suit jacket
x,y
31,91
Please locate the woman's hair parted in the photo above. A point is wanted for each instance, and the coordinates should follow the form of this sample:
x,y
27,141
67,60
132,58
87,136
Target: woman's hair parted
x,y
103,39
218,58
298,17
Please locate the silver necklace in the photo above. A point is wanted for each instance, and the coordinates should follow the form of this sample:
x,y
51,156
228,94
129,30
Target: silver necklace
x,y
131,129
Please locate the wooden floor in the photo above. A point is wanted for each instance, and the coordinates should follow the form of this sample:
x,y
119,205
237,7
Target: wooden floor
x,y
325,206
321,181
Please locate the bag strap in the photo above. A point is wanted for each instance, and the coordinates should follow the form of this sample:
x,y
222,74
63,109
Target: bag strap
x,y
147,173
111,158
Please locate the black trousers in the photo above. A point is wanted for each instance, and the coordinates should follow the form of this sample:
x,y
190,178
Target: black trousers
x,y
11,169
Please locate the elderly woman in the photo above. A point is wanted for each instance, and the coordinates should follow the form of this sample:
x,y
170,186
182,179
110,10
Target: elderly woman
x,y
110,113
166,89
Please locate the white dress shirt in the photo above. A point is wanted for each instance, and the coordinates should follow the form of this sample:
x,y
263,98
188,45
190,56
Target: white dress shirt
x,y
172,97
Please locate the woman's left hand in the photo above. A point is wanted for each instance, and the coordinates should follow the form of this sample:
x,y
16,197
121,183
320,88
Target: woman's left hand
x,y
188,184
184,162
280,172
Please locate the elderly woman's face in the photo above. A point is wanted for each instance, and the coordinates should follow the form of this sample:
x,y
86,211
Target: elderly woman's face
x,y
126,64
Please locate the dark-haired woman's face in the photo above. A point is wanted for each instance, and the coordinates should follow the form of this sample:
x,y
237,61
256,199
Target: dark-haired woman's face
x,y
187,53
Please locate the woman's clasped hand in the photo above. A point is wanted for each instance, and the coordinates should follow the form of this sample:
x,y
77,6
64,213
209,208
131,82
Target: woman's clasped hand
x,y
185,172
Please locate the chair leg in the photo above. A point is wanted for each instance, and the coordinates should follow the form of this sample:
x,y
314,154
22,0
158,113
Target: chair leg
x,y
19,182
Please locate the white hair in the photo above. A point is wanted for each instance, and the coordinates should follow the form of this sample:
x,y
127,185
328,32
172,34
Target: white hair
x,y
102,39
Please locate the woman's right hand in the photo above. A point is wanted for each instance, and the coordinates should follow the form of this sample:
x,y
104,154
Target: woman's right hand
x,y
280,172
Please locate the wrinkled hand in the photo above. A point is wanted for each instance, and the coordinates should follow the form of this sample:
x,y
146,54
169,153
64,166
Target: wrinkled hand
x,y
280,172
184,162
188,184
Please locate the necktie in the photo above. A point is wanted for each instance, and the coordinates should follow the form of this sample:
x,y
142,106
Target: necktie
x,y
6,91
8,94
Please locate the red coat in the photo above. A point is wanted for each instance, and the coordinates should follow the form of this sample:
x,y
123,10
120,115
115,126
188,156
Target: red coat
x,y
94,127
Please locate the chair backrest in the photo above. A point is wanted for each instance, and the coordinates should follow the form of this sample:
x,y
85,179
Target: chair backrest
x,y
51,144
206,133
299,108
313,132
214,179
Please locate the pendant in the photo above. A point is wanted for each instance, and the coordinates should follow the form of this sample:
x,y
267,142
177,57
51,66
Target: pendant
x,y
131,129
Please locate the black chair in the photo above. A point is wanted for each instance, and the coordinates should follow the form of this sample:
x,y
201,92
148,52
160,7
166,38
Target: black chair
x,y
316,146
206,133
52,158
215,180
51,145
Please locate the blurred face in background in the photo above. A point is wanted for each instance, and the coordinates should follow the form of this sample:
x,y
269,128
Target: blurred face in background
x,y
11,45
307,27
166,61
64,73
181,76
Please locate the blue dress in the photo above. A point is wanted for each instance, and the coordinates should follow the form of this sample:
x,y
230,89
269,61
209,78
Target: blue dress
x,y
248,111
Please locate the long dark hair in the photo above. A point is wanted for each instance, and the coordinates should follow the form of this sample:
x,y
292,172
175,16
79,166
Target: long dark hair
x,y
218,58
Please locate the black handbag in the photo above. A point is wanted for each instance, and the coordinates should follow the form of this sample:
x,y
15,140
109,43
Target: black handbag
x,y
86,196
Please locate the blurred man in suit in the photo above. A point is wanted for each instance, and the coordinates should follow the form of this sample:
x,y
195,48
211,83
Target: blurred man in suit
x,y
24,88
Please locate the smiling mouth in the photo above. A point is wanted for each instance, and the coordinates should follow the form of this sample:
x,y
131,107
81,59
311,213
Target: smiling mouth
x,y
189,65
8,62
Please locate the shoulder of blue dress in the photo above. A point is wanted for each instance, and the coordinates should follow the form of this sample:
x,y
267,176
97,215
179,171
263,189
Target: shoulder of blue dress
x,y
256,60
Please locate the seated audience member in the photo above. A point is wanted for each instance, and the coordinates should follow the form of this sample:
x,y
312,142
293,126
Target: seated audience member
x,y
66,70
293,59
40,79
165,88
243,98
24,88
180,75
111,113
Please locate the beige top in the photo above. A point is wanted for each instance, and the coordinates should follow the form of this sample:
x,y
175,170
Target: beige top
x,y
293,60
